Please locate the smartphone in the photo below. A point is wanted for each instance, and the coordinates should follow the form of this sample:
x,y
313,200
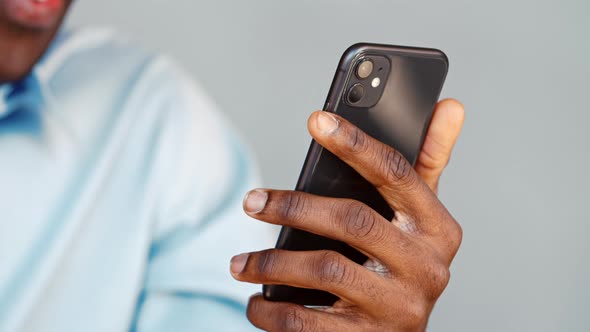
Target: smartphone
x,y
390,93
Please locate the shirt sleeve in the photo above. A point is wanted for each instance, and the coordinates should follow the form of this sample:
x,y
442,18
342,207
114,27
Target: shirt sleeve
x,y
204,170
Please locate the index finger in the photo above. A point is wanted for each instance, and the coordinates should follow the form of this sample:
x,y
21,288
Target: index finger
x,y
381,165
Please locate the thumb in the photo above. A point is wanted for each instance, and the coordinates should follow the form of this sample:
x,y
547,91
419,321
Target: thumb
x,y
443,132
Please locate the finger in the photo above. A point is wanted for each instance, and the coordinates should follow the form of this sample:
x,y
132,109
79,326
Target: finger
x,y
381,165
323,269
443,132
280,316
345,220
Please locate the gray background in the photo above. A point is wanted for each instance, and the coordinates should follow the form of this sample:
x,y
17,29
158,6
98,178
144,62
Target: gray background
x,y
518,181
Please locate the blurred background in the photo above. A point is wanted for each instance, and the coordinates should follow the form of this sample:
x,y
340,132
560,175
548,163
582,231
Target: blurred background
x,y
518,181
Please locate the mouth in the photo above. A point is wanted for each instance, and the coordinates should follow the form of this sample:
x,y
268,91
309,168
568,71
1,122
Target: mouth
x,y
34,14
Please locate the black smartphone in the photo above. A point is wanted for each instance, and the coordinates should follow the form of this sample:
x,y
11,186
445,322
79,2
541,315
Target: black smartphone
x,y
390,93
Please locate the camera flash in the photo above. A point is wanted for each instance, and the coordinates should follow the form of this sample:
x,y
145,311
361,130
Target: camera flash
x,y
376,82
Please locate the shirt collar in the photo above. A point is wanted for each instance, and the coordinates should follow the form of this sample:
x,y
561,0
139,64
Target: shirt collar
x,y
26,93
3,105
35,88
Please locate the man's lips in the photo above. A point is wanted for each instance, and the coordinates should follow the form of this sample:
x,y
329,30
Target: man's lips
x,y
39,14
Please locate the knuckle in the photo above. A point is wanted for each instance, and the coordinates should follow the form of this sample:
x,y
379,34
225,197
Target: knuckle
x,y
293,320
415,316
452,235
438,278
292,207
356,141
455,236
395,168
267,263
359,221
333,269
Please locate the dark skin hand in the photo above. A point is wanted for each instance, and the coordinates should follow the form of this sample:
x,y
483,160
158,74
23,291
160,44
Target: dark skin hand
x,y
409,257
22,46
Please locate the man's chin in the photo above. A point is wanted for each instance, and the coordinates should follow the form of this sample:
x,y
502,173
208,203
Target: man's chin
x,y
27,28
34,14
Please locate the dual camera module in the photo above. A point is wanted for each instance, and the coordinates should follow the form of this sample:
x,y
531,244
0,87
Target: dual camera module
x,y
365,86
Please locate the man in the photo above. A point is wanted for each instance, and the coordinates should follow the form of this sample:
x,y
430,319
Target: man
x,y
120,201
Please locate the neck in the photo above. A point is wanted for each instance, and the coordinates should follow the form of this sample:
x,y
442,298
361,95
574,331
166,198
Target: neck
x,y
21,49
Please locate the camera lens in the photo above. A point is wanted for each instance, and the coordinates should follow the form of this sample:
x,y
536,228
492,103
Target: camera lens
x,y
364,69
356,93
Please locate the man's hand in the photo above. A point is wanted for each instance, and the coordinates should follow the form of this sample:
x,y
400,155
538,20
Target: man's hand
x,y
409,257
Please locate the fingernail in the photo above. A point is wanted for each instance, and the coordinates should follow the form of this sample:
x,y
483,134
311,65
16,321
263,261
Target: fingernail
x,y
237,263
327,123
255,201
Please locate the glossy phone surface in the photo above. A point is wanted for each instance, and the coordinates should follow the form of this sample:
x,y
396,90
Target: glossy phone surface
x,y
391,99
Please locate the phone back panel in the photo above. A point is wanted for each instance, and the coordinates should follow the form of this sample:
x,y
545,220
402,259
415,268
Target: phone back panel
x,y
400,119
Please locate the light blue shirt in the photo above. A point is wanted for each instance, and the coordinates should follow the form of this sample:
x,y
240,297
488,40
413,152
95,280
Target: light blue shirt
x,y
120,196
